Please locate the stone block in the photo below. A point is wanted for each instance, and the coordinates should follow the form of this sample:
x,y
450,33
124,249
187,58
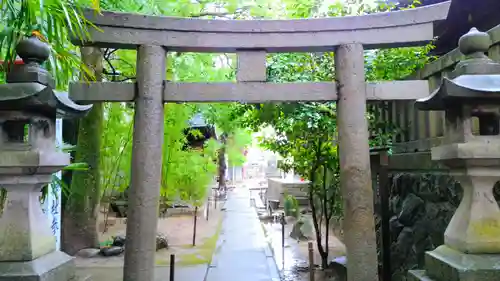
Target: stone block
x,y
56,266
251,66
25,232
83,278
28,161
277,188
446,264
418,275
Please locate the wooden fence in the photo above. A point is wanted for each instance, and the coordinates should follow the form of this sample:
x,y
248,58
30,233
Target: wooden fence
x,y
421,130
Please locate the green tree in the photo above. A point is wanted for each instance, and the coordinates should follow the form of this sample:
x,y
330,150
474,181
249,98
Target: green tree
x,y
306,132
232,136
53,22
305,138
82,206
109,167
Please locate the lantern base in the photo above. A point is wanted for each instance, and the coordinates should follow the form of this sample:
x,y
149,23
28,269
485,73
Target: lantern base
x,y
446,264
55,266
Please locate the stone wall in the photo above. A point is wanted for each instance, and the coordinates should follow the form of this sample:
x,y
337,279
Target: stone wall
x,y
421,207
277,189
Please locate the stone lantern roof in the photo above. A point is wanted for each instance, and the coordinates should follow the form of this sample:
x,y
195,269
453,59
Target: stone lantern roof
x,y
31,88
474,80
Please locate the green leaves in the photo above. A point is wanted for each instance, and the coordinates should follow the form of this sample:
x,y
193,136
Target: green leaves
x,y
305,134
55,21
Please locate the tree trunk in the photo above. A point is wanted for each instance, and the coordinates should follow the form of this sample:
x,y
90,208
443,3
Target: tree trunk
x,y
222,162
314,210
80,215
326,211
69,136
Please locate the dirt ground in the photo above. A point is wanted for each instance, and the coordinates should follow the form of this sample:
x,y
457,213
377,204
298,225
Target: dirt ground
x,y
336,249
179,231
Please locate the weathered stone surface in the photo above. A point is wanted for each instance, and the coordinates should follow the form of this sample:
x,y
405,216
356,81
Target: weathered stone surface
x,y
88,253
119,240
277,189
56,266
119,30
409,209
25,232
296,232
251,67
303,229
247,91
425,231
418,275
354,162
145,180
448,264
265,217
475,227
161,241
473,158
112,251
422,207
28,158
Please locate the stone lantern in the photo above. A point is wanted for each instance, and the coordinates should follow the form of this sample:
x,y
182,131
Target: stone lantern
x,y
471,249
29,106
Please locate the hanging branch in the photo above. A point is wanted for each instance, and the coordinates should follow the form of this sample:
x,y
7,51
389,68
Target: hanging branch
x,y
114,73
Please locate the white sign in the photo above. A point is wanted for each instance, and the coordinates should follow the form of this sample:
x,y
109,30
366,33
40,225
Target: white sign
x,y
52,203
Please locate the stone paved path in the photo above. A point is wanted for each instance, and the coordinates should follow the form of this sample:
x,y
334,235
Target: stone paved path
x,y
242,252
162,273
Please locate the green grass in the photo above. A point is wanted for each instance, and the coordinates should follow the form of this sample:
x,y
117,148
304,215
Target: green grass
x,y
201,254
204,252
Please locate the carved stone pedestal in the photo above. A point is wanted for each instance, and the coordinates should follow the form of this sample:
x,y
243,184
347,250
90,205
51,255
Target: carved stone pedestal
x,y
475,227
55,266
25,232
27,245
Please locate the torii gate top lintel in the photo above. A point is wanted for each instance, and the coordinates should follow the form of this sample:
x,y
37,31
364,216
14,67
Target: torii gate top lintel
x,y
252,40
379,30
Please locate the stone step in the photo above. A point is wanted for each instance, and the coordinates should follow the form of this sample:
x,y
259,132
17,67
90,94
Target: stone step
x,y
446,264
418,275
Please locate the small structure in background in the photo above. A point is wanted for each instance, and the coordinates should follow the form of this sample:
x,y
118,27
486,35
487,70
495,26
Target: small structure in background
x,y
462,16
29,106
204,132
471,249
279,188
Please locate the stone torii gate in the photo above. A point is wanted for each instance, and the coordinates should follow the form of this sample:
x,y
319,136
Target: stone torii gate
x,y
154,36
